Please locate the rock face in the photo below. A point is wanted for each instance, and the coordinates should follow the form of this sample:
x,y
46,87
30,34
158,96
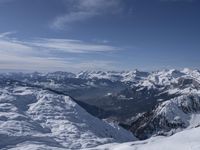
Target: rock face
x,y
169,117
39,119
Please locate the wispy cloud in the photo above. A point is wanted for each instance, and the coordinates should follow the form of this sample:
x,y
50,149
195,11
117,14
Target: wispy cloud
x,y
80,10
70,46
38,54
5,34
51,44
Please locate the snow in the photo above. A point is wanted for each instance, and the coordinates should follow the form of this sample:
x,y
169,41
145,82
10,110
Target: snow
x,y
38,119
184,109
185,140
108,94
152,80
32,118
169,117
163,77
194,120
123,76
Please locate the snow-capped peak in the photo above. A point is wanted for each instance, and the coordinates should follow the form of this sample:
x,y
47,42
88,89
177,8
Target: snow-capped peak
x,y
124,76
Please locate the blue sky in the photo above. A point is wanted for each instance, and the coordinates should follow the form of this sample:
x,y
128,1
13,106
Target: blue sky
x,y
75,35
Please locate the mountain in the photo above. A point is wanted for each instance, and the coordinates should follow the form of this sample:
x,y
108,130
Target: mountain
x,y
123,76
33,118
118,96
117,92
169,117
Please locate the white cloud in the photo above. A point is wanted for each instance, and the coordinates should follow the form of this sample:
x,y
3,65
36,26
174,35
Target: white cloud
x,y
38,54
63,45
71,46
5,34
80,10
66,19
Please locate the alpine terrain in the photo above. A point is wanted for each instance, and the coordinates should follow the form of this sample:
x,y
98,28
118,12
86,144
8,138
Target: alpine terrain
x,y
100,110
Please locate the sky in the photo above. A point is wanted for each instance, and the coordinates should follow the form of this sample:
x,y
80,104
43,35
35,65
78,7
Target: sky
x,y
75,35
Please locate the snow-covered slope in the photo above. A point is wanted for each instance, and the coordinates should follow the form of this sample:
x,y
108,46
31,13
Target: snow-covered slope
x,y
33,118
185,140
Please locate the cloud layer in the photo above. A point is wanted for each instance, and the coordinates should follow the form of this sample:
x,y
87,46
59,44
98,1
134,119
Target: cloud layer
x,y
39,54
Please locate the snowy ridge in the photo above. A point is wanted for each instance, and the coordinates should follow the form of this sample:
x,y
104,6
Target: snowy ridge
x,y
124,76
39,119
162,77
185,140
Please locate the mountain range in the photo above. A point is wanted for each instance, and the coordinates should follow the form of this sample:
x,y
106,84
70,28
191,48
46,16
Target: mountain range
x,y
66,110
